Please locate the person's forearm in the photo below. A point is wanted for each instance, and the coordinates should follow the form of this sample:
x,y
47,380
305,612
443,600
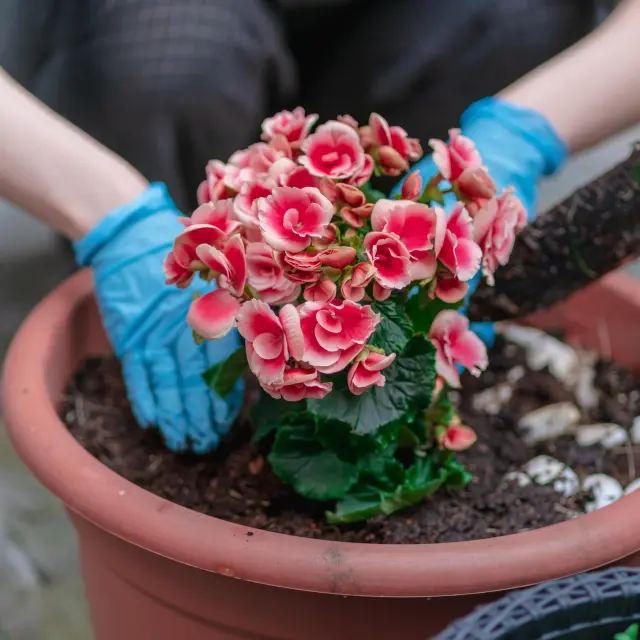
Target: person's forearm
x,y
51,169
591,90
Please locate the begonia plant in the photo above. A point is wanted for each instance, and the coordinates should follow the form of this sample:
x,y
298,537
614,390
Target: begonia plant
x,y
348,301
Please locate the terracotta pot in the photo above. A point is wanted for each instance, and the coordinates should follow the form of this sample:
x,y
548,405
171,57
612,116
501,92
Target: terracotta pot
x,y
157,570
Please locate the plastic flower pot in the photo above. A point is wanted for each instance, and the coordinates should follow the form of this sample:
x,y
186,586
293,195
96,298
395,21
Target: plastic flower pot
x,y
594,606
156,570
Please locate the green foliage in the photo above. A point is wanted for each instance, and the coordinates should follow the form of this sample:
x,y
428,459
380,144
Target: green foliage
x,y
630,633
422,310
313,470
268,414
371,194
223,376
383,494
407,390
395,328
372,454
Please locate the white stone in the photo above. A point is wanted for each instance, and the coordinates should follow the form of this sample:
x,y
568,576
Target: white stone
x,y
547,423
515,374
634,486
608,435
546,470
521,478
544,350
635,430
605,490
587,396
492,400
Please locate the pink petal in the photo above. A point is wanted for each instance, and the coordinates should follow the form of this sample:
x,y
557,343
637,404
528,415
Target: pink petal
x,y
338,257
378,361
213,259
235,254
214,314
256,317
441,157
184,248
451,290
379,129
471,353
290,319
268,346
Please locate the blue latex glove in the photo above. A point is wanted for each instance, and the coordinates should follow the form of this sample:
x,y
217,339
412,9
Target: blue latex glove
x,y
146,323
518,146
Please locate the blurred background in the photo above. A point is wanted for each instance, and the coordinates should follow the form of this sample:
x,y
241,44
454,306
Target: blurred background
x,y
169,84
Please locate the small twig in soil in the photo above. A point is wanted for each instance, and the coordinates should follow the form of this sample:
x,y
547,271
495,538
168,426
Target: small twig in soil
x,y
591,233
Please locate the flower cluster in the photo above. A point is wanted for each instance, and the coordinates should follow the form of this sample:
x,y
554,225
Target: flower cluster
x,y
301,251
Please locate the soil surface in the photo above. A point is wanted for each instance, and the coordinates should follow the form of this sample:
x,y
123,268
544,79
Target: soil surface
x,y
235,483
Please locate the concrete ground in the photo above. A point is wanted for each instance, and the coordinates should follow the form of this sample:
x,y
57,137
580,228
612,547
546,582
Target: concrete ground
x,y
40,590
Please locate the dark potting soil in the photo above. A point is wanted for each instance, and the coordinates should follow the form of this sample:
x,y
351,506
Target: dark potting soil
x,y
235,483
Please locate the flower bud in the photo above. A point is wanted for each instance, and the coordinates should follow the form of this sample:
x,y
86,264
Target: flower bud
x,y
412,186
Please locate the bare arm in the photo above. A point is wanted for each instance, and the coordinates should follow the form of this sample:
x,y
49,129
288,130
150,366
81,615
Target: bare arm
x,y
53,170
591,90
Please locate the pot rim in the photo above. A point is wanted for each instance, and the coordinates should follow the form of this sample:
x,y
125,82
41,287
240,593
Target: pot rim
x,y
131,513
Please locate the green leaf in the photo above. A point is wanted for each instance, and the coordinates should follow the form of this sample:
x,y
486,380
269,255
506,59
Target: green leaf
x,y
382,470
339,437
366,500
631,633
395,328
302,461
371,194
223,376
422,310
268,413
408,388
457,476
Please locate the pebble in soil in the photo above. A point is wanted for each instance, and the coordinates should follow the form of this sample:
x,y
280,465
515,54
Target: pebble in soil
x,y
236,484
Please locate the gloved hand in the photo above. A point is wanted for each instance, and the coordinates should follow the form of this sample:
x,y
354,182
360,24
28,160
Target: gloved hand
x,y
146,323
518,146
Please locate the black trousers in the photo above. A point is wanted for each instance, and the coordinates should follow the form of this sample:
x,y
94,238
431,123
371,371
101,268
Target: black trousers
x,y
169,84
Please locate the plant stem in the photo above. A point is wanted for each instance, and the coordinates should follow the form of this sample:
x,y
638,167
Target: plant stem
x,y
592,232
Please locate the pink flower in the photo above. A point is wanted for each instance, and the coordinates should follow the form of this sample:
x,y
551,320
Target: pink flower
x,y
270,340
175,273
453,158
380,293
214,187
337,257
495,229
290,218
456,345
396,138
459,253
320,291
348,120
216,214
354,284
390,258
412,186
229,264
475,183
303,261
328,237
365,371
185,244
299,384
245,203
287,173
293,125
267,278
457,437
450,289
391,162
334,150
362,175
420,228
334,333
214,314
259,157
